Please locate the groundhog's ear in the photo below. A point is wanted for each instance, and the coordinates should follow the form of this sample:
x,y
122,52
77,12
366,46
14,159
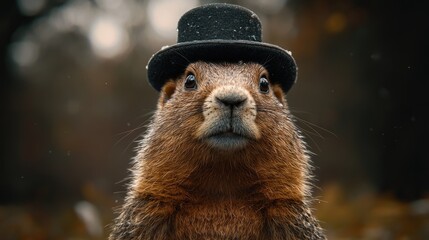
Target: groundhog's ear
x,y
166,92
278,92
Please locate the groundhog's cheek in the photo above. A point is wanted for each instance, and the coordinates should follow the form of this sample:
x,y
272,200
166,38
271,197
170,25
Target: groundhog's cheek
x,y
249,125
211,120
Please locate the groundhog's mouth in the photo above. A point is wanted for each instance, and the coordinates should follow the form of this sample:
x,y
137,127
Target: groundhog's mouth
x,y
227,140
228,134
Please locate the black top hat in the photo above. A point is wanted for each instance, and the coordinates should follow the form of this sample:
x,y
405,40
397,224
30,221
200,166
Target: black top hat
x,y
220,33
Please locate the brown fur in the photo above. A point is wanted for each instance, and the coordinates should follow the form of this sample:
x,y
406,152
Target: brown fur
x,y
184,189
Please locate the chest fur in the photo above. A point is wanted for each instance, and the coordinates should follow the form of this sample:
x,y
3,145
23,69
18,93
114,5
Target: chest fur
x,y
223,219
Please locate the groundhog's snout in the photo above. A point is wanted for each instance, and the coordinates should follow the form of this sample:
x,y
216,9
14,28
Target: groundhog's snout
x,y
231,99
229,118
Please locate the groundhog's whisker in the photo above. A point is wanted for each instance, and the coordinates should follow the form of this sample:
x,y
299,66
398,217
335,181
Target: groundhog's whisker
x,y
267,60
128,133
182,56
266,109
308,135
313,126
144,123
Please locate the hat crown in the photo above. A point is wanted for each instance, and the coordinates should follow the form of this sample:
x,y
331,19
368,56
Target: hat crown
x,y
219,21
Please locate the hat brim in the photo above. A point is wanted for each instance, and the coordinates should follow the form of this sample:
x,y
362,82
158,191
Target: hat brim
x,y
170,62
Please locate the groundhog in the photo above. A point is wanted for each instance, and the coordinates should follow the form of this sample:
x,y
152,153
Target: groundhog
x,y
222,158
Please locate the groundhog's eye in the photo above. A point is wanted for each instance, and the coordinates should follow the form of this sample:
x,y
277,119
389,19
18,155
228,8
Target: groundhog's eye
x,y
191,82
264,85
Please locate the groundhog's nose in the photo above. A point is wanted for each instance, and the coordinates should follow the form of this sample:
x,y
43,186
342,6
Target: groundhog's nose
x,y
231,100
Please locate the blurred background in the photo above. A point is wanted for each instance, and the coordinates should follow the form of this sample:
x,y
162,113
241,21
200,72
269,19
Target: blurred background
x,y
75,99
